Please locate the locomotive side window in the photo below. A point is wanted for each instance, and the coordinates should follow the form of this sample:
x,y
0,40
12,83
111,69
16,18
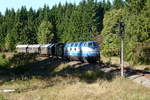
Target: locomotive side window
x,y
76,44
79,44
85,44
71,45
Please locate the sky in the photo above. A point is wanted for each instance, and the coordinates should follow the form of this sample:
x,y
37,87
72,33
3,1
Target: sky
x,y
35,4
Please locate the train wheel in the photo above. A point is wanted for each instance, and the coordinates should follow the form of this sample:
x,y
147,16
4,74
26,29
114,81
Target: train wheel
x,y
91,60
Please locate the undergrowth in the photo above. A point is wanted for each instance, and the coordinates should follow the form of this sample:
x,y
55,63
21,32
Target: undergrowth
x,y
3,61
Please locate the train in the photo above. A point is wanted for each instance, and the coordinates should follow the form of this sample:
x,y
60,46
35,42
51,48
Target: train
x,y
88,51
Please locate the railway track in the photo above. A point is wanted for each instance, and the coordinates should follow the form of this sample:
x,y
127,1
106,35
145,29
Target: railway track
x,y
139,76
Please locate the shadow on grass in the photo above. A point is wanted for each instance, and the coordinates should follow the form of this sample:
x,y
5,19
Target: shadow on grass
x,y
38,69
45,69
86,72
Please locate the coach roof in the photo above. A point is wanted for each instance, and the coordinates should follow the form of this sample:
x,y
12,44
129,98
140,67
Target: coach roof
x,y
34,46
22,46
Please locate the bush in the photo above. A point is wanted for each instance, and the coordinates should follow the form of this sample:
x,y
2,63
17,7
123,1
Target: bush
x,y
142,54
147,69
22,59
2,56
90,75
3,61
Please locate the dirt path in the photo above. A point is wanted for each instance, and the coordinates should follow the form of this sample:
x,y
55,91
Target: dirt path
x,y
141,79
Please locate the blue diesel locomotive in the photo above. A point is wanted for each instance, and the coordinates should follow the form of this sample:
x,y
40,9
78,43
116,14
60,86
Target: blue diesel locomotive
x,y
84,51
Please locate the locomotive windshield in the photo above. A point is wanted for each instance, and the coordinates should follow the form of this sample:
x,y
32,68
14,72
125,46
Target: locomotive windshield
x,y
95,44
92,44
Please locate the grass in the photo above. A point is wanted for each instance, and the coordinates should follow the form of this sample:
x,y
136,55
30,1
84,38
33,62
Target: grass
x,y
56,80
116,61
73,89
2,98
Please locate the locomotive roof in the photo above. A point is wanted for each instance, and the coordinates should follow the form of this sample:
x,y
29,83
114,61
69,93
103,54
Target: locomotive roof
x,y
21,46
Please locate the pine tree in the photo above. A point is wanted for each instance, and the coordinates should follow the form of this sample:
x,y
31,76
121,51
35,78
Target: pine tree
x,y
21,25
31,27
1,32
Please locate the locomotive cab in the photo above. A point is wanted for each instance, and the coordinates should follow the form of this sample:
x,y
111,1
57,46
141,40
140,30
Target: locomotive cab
x,y
90,51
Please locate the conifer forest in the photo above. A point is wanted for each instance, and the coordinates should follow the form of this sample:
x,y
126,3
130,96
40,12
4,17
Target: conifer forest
x,y
88,20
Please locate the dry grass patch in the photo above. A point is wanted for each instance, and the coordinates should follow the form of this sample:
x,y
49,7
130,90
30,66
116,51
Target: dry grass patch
x,y
143,67
115,60
23,86
70,89
61,67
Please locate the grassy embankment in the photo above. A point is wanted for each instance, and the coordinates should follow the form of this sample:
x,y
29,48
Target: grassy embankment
x,y
58,80
116,61
73,89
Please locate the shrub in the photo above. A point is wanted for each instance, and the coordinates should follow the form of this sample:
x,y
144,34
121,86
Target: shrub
x,y
22,59
3,61
142,54
90,75
2,98
2,56
147,69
